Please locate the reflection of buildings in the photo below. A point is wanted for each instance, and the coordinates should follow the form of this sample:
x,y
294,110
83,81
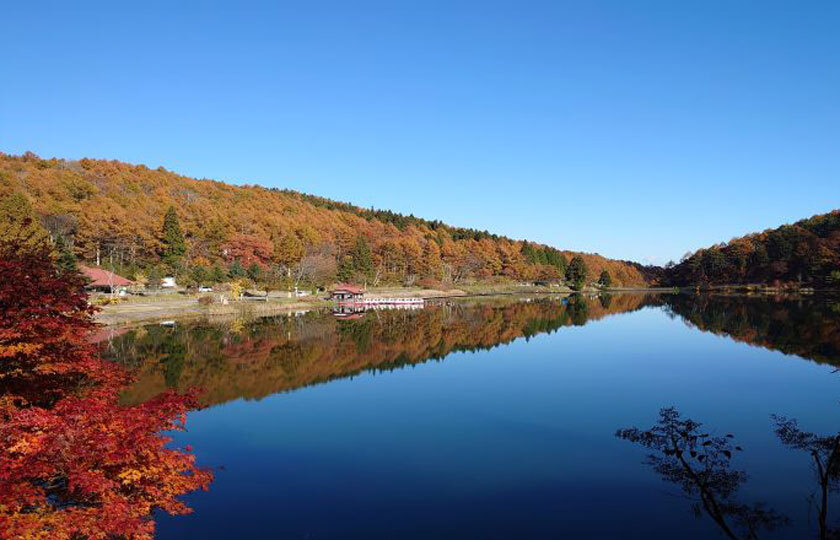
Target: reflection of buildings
x,y
105,333
349,311
397,305
357,310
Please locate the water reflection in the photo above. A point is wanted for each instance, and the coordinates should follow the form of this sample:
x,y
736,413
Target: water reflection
x,y
261,357
701,465
256,358
824,451
355,311
805,326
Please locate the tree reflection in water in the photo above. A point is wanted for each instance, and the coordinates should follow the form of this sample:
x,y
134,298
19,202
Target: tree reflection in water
x,y
805,326
74,463
700,464
257,358
825,454
284,353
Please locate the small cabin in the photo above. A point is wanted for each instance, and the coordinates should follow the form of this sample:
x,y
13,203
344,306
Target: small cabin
x,y
102,280
168,283
346,293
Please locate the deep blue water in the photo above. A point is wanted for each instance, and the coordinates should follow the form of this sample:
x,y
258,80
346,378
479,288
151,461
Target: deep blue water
x,y
517,440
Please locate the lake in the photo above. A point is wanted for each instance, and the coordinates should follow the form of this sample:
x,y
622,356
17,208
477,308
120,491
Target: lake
x,y
632,415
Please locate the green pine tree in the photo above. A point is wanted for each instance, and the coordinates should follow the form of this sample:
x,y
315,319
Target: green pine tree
x,y
358,263
605,280
217,275
254,272
174,245
66,261
577,272
527,251
198,275
154,277
557,260
362,258
236,270
345,268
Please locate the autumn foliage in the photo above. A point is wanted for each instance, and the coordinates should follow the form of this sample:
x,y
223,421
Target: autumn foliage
x,y
42,318
74,463
804,253
118,212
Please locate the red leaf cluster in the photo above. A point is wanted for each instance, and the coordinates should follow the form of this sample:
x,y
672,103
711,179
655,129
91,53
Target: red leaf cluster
x,y
73,461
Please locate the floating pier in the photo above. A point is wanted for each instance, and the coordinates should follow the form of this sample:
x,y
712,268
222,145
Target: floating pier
x,y
383,302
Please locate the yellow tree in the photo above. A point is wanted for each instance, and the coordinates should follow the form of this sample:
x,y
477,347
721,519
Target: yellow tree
x,y
288,251
19,222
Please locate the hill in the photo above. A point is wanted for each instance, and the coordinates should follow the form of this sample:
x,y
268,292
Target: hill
x,y
114,213
806,253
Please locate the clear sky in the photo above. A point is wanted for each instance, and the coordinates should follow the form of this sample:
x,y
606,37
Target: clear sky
x,y
634,129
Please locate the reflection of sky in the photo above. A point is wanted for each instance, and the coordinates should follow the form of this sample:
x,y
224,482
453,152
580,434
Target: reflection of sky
x,y
515,440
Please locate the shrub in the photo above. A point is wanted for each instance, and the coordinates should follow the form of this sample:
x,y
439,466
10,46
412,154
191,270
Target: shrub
x,y
205,300
105,300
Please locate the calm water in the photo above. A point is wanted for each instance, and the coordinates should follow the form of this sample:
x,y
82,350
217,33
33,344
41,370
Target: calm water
x,y
499,419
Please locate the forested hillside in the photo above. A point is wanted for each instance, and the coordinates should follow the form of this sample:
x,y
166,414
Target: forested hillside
x,y
144,222
806,253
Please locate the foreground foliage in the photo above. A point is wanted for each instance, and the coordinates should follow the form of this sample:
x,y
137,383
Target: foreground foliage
x,y
73,462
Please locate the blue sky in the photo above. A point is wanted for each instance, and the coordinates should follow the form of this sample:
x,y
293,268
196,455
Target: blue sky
x,y
639,130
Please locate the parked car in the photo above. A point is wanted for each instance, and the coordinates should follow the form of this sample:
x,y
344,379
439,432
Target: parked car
x,y
205,289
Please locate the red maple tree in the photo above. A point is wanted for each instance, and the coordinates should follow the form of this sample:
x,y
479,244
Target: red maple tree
x,y
73,461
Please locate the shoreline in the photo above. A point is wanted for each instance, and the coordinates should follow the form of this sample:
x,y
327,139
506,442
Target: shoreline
x,y
181,307
177,306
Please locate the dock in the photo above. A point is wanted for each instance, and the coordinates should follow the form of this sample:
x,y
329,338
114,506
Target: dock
x,y
383,301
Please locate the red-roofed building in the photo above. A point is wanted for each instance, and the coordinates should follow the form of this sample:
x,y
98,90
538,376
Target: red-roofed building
x,y
344,292
103,280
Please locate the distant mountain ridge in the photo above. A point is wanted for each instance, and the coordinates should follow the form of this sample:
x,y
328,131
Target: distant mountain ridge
x,y
112,211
